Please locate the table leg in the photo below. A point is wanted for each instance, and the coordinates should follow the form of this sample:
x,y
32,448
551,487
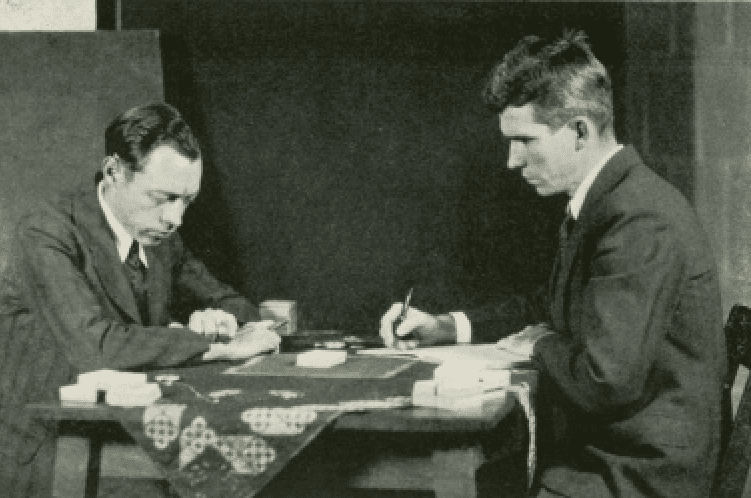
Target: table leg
x,y
454,475
94,465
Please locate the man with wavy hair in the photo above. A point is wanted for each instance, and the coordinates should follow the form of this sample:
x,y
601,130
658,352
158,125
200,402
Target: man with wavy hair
x,y
627,336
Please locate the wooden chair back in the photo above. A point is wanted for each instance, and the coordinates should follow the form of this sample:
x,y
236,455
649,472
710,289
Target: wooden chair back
x,y
735,456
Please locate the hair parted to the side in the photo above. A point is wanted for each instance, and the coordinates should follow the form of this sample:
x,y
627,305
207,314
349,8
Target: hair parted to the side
x,y
561,78
136,132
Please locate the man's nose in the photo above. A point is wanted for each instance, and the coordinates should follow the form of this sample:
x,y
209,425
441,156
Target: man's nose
x,y
516,156
172,214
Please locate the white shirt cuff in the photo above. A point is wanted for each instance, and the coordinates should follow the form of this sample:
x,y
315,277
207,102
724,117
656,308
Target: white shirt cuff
x,y
463,327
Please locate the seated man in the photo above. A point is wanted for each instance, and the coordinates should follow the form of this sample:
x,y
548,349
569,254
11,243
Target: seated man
x,y
628,336
92,283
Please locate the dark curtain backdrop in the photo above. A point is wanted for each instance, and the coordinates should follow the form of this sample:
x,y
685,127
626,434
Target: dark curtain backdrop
x,y
348,155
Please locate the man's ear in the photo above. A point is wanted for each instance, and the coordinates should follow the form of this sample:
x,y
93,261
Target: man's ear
x,y
583,129
112,169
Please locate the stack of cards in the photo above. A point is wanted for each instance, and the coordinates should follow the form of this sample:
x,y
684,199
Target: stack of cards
x,y
119,388
319,358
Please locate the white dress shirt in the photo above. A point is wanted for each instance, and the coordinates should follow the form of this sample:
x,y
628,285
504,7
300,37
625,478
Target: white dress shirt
x,y
122,237
577,200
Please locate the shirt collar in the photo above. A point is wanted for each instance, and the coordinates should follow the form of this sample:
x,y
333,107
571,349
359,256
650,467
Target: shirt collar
x,y
577,200
122,237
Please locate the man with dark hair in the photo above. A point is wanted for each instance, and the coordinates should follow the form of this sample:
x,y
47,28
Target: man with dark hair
x,y
627,336
93,282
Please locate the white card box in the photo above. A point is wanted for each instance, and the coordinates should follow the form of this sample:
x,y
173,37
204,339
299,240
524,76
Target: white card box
x,y
472,402
75,394
106,379
133,395
319,358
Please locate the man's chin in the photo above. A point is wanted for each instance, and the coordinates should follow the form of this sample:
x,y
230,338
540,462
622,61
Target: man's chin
x,y
542,191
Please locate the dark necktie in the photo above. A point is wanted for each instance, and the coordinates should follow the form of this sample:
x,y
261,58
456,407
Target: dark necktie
x,y
566,227
136,271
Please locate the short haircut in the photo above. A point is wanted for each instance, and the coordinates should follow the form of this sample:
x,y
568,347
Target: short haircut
x,y
561,78
136,132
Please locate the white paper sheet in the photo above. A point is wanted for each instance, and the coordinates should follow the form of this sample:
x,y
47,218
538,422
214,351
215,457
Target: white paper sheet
x,y
481,355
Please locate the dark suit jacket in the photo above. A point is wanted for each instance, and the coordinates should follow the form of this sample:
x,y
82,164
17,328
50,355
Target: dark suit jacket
x,y
629,399
66,306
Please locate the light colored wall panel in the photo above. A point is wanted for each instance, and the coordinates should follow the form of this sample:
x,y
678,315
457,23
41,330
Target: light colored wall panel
x,y
722,98
58,91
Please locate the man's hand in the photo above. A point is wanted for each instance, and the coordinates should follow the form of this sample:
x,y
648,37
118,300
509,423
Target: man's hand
x,y
252,339
211,323
523,343
417,329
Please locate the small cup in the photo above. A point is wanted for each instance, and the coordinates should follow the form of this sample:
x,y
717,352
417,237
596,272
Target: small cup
x,y
280,311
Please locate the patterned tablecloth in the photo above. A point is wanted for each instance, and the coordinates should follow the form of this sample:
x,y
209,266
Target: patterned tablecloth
x,y
218,435
232,441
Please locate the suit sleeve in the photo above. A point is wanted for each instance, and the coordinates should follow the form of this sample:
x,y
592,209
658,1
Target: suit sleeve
x,y
629,297
494,322
197,288
63,298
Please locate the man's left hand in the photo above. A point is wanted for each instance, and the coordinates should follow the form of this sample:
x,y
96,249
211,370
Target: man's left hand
x,y
211,323
523,343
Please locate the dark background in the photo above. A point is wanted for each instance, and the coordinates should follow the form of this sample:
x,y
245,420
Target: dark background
x,y
347,152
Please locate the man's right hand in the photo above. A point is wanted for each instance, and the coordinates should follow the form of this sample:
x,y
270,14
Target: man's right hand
x,y
211,323
417,329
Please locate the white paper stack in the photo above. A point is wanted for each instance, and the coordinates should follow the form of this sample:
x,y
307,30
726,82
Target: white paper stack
x,y
319,358
466,376
462,385
120,388
133,395
75,394
487,356
468,402
106,379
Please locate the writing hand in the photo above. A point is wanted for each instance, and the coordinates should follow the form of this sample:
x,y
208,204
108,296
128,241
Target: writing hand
x,y
212,323
416,329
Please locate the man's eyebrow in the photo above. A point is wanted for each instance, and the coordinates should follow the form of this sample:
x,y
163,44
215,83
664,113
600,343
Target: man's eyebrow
x,y
512,136
170,193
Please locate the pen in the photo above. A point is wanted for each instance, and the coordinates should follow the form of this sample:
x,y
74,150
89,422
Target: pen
x,y
405,305
403,315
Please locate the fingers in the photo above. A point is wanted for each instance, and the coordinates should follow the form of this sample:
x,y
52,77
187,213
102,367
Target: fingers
x,y
406,344
268,339
534,332
259,340
414,320
408,333
212,322
259,333
523,342
387,322
226,323
195,323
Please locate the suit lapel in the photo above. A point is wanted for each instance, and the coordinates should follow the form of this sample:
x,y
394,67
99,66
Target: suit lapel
x,y
102,247
569,252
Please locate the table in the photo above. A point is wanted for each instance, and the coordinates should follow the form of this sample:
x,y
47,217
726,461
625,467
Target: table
x,y
437,450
